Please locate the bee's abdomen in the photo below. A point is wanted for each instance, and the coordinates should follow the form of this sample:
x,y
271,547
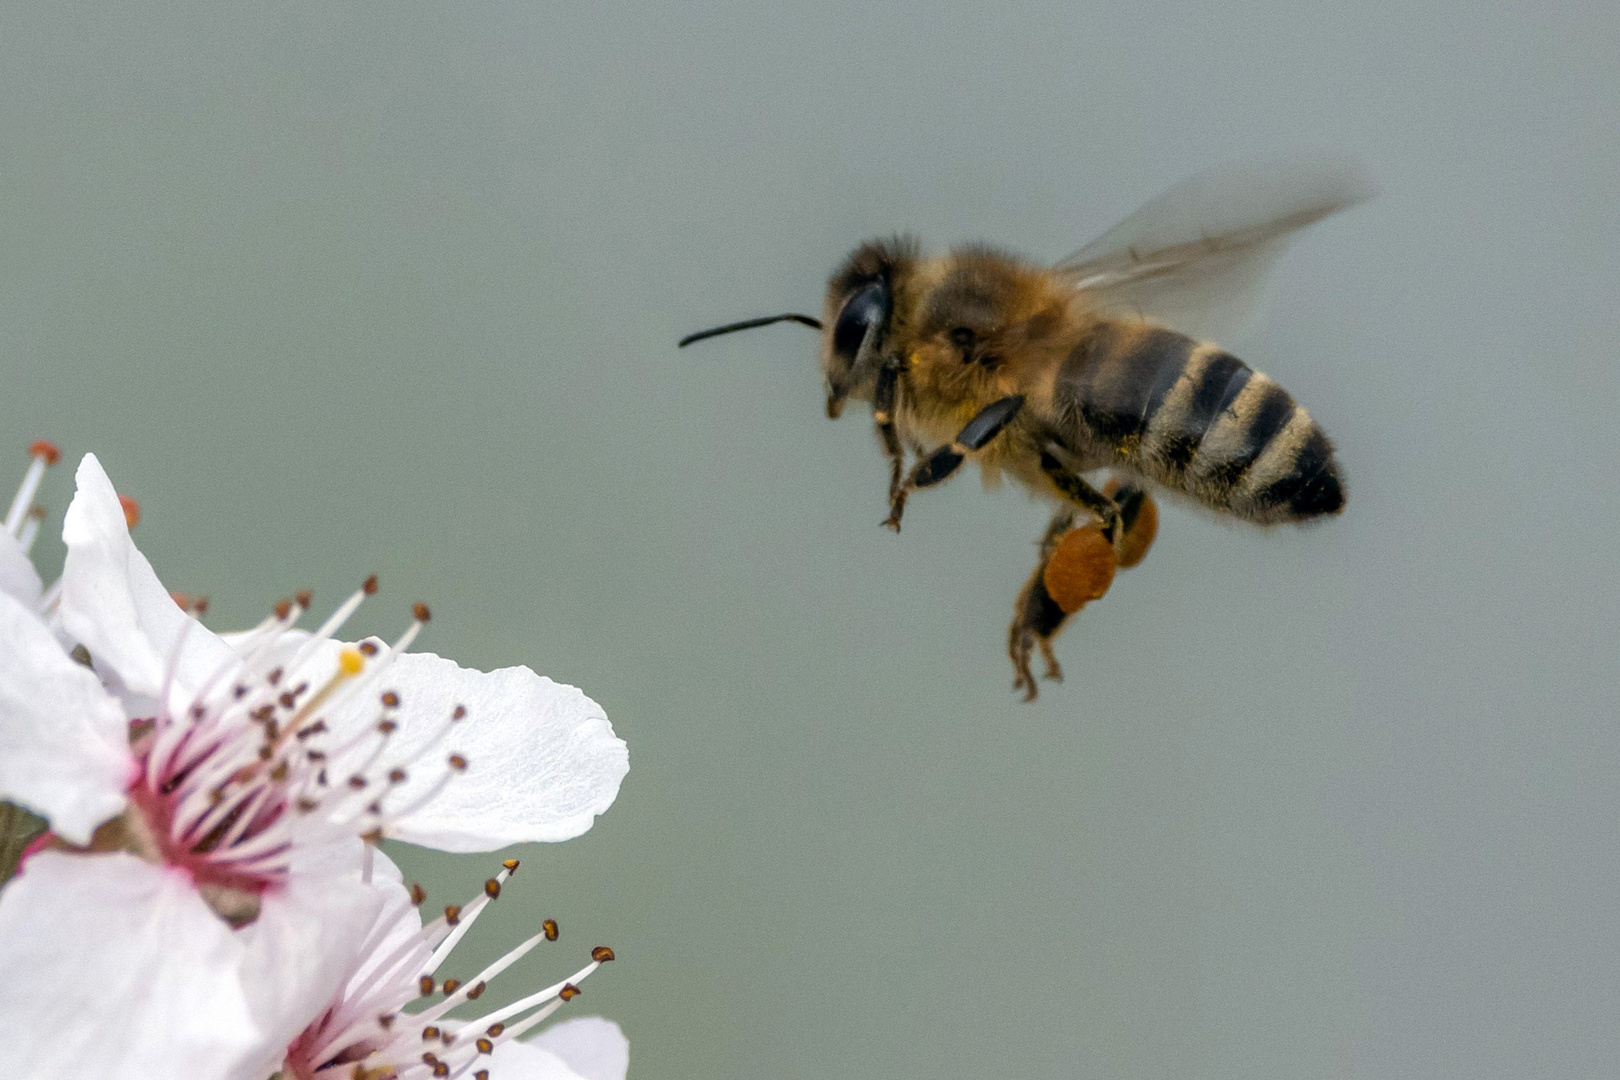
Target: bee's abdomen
x,y
1199,420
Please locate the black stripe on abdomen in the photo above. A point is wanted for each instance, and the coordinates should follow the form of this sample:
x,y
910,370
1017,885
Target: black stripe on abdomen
x,y
1242,429
1209,381
1117,378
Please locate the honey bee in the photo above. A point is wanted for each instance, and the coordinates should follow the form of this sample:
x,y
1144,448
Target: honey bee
x,y
1048,373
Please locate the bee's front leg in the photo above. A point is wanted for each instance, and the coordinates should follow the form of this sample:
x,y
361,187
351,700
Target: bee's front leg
x,y
944,461
883,404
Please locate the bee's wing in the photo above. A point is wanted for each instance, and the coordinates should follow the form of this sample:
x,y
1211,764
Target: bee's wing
x,y
1194,258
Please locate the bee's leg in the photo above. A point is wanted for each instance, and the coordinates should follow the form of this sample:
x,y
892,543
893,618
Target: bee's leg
x,y
1036,616
1138,521
940,464
883,401
1075,488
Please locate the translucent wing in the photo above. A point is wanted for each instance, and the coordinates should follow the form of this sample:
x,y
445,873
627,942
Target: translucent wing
x,y
1195,257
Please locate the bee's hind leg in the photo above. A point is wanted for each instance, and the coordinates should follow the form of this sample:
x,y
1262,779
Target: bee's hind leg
x,y
1075,566
1036,616
944,461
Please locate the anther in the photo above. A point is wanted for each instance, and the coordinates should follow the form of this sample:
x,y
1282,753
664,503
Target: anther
x,y
283,609
458,763
447,1038
441,1069
476,992
288,699
601,954
200,605
418,894
357,782
304,597
386,727
452,985
484,1045
45,450
420,610
368,648
429,1032
430,1058
492,889
274,678
385,1021
459,712
396,776
481,1074
510,864
350,662
425,984
569,992
370,586
550,928
452,914
390,699
132,510
494,1030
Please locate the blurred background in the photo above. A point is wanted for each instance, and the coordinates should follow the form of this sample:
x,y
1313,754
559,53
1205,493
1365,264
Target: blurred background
x,y
335,289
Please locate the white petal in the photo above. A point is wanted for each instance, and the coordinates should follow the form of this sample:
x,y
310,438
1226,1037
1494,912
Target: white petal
x,y
543,758
592,1047
302,948
64,745
116,968
525,1061
114,604
18,577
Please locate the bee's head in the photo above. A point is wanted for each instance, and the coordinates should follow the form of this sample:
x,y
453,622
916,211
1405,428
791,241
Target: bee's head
x,y
859,314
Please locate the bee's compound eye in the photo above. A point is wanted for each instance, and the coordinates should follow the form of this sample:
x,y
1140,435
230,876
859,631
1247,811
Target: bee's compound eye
x,y
864,308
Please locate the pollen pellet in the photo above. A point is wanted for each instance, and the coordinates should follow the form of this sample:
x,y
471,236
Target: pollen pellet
x,y
1081,568
350,662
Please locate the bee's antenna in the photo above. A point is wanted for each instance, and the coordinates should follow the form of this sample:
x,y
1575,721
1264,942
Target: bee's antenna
x,y
749,324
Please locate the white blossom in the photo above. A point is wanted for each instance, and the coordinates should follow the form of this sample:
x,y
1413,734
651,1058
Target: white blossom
x,y
208,798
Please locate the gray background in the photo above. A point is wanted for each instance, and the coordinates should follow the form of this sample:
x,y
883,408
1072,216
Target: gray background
x,y
396,287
